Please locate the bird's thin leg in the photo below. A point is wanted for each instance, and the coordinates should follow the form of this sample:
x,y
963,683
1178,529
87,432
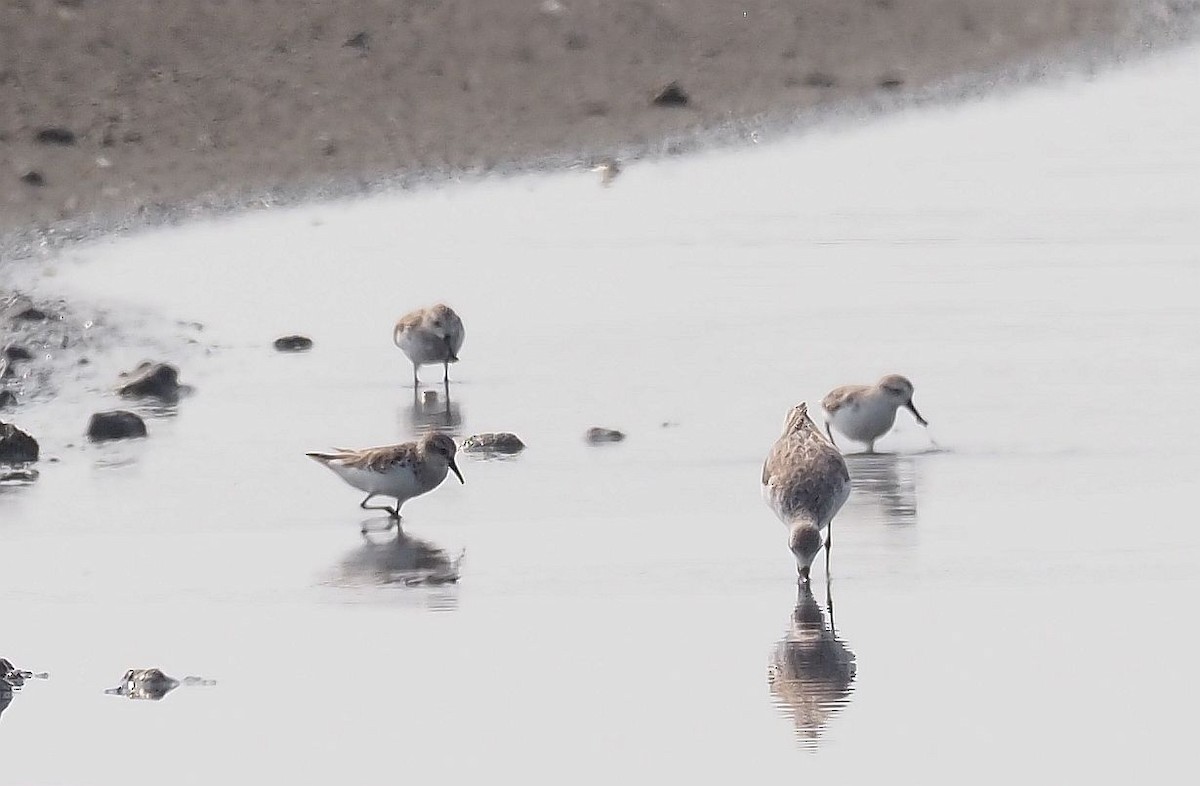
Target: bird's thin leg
x,y
829,603
828,546
394,511
830,433
416,380
871,447
446,373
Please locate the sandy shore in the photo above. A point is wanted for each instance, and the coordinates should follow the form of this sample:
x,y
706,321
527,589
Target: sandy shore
x,y
121,111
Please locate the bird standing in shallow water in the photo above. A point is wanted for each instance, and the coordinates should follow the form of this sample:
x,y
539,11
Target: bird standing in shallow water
x,y
864,413
401,471
430,335
805,481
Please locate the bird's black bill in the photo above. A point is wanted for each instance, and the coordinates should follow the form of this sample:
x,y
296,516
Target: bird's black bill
x,y
454,469
913,409
450,356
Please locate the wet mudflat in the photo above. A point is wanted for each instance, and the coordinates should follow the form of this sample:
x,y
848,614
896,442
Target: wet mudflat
x,y
1021,595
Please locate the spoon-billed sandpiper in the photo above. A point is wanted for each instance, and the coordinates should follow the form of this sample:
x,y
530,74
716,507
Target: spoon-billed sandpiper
x,y
805,482
401,471
864,413
430,335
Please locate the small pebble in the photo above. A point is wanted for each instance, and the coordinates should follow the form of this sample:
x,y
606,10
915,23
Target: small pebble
x,y
293,344
493,442
115,424
597,435
671,96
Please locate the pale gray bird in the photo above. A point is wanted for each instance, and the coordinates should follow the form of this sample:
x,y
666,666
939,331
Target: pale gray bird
x,y
864,413
428,336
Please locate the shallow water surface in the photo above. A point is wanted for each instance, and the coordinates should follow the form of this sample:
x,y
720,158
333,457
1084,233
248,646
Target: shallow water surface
x,y
1012,589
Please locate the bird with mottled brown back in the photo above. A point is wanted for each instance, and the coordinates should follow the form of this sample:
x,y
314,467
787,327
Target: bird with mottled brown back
x,y
805,481
401,471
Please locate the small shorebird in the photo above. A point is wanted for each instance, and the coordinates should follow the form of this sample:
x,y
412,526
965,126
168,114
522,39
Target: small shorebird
x,y
401,471
805,481
864,413
430,335
608,168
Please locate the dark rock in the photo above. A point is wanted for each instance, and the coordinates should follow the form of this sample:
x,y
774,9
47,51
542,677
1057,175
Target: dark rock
x,y
671,95
597,435
820,79
17,353
16,447
360,41
891,82
16,678
293,344
55,135
493,442
32,314
115,424
16,476
33,178
157,380
150,684
7,399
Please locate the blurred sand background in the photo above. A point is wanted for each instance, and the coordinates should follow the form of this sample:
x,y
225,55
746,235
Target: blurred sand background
x,y
114,112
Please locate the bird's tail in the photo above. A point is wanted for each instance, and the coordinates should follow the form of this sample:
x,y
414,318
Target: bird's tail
x,y
797,418
323,458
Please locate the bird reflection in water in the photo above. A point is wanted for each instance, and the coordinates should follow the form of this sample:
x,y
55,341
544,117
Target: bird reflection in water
x,y
812,671
887,480
434,411
403,560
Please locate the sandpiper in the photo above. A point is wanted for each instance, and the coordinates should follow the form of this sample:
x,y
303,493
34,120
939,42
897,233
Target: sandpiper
x,y
864,413
805,481
430,335
401,471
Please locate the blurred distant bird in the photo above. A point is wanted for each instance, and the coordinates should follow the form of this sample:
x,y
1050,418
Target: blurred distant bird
x,y
805,481
430,335
864,413
608,168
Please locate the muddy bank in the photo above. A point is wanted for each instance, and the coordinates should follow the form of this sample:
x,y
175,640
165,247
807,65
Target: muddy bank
x,y
49,346
110,115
